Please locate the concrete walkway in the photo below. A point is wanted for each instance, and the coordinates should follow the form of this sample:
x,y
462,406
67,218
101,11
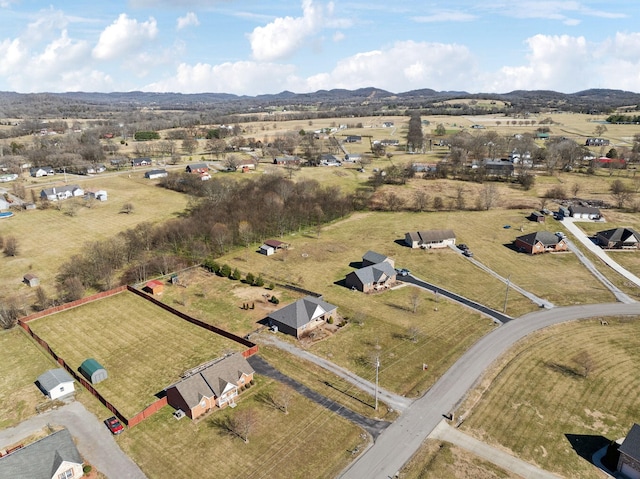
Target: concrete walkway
x,y
395,401
93,439
500,458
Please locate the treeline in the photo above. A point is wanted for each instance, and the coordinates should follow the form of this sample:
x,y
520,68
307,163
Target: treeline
x,y
632,119
227,214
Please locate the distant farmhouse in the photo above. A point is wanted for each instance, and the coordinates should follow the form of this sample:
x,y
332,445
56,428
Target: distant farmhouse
x,y
430,239
145,161
286,160
154,174
61,192
596,142
540,242
41,171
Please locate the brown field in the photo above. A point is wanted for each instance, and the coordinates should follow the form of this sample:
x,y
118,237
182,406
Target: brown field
x,y
21,362
308,442
538,404
143,348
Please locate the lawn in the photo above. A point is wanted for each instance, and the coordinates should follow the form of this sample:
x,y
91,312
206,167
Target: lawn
x,y
308,442
48,238
540,406
21,362
143,348
438,459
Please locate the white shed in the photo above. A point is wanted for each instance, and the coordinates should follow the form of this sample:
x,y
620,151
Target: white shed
x,y
267,250
56,383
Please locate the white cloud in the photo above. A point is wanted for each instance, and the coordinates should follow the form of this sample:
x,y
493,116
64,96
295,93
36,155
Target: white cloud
x,y
285,35
445,16
241,78
12,54
188,20
404,66
123,37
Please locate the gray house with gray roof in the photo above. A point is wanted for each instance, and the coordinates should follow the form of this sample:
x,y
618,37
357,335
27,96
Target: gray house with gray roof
x,y
428,239
302,316
371,258
51,457
216,385
56,383
372,278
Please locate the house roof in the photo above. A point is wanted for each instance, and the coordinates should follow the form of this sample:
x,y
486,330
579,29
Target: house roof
x,y
156,172
544,237
153,283
430,236
41,459
60,189
373,257
626,235
583,209
53,378
212,380
274,243
198,166
302,311
375,273
29,276
413,236
631,444
90,366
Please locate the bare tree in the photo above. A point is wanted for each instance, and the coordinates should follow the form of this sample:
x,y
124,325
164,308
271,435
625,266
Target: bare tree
x,y
413,333
11,246
127,208
414,298
242,423
585,363
488,197
10,311
420,200
621,192
575,189
282,398
42,299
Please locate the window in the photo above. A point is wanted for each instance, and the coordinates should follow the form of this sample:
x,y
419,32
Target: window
x,y
61,388
68,474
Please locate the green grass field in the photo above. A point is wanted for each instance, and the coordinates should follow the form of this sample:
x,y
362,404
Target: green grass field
x,y
540,407
21,362
143,348
308,442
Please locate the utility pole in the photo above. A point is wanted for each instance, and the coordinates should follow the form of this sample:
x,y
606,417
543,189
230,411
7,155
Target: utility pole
x,y
506,295
377,369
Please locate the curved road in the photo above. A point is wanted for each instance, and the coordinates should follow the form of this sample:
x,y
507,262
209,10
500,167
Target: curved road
x,y
399,442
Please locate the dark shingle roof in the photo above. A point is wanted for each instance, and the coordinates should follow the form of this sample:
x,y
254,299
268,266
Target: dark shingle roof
x,y
373,257
436,235
54,377
302,311
41,459
544,237
584,210
620,234
375,273
631,444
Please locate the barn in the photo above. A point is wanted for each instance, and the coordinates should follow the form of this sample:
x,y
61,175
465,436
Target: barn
x,y
93,371
154,287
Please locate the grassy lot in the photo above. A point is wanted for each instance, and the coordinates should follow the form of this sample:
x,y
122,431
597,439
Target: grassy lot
x,y
21,362
47,238
438,459
326,383
537,403
308,442
142,347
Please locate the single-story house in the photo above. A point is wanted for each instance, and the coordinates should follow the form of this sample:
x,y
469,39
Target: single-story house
x,y
498,168
329,160
540,242
619,238
302,316
56,383
100,195
629,460
270,246
41,171
371,257
584,212
145,161
286,160
213,386
353,139
352,157
153,174
371,278
247,164
93,371
61,192
31,280
596,142
389,142
154,287
198,168
91,169
537,216
387,124
52,457
430,239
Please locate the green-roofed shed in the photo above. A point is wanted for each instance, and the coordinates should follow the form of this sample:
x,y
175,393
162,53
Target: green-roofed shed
x,y
93,371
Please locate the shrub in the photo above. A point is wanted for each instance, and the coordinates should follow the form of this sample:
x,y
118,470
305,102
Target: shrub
x,y
330,320
225,271
271,286
250,278
237,275
274,300
259,281
87,468
211,266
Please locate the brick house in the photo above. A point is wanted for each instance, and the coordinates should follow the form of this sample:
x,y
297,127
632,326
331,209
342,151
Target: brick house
x,y
618,238
302,316
540,242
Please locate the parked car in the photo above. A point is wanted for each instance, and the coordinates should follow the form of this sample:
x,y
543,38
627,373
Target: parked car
x,y
403,272
114,425
463,247
560,234
467,253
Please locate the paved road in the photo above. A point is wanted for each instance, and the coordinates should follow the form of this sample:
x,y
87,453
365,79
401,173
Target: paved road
x,y
94,441
495,456
491,313
372,426
399,403
400,440
569,223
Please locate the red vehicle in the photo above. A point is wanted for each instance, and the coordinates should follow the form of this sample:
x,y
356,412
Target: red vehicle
x,y
114,425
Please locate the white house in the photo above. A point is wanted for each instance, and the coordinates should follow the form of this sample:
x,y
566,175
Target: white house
x,y
153,174
585,212
56,383
430,239
61,192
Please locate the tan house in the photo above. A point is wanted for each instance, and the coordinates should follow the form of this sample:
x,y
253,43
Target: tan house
x,y
430,239
214,386
302,316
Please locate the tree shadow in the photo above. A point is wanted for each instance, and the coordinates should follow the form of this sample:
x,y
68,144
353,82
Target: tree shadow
x,y
222,424
564,370
585,445
267,399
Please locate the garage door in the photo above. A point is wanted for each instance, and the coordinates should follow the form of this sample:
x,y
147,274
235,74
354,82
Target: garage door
x,y
630,472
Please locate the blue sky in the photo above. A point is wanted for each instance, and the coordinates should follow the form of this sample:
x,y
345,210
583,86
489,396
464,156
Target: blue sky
x,y
255,46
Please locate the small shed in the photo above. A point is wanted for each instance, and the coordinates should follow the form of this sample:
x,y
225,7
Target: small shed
x,y
537,216
31,280
154,287
93,371
267,250
56,383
